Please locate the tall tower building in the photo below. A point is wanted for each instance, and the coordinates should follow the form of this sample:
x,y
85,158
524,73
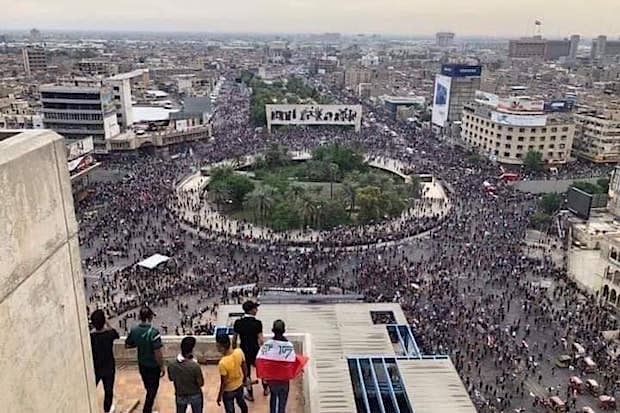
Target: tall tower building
x,y
574,46
454,87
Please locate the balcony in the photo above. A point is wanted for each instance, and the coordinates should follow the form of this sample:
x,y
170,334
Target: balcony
x,y
129,391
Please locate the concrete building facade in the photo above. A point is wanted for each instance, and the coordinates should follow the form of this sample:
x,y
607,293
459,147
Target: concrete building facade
x,y
80,110
602,47
507,136
35,59
598,135
444,39
537,47
46,363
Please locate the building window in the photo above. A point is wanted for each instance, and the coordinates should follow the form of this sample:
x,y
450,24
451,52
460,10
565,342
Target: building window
x,y
507,146
532,138
554,129
521,139
533,130
520,147
382,317
521,130
506,154
509,137
541,147
565,129
552,146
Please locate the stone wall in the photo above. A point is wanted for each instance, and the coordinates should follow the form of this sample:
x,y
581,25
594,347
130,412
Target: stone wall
x,y
45,355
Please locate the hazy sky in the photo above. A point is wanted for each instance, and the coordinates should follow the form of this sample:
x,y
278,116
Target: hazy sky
x,y
465,17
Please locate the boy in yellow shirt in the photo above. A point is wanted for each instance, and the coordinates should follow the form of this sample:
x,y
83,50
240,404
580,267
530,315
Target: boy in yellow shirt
x,y
233,375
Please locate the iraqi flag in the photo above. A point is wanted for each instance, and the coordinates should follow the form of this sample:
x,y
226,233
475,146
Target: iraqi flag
x,y
277,361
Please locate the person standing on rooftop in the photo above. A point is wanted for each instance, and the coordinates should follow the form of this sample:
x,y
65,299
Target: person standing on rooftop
x,y
186,374
250,330
150,358
102,338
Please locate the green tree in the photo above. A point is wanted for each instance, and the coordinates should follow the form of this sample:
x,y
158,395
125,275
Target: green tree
x,y
219,195
370,205
261,200
603,183
540,220
533,161
550,203
285,216
349,193
276,155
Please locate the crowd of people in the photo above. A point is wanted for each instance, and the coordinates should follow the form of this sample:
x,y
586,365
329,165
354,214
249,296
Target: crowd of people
x,y
464,281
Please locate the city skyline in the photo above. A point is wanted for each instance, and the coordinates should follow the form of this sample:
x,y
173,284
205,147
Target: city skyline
x,y
401,17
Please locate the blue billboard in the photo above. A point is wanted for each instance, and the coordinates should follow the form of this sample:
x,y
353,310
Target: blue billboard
x,y
457,70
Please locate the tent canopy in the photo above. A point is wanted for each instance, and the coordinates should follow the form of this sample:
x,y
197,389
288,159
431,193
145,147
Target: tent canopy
x,y
153,261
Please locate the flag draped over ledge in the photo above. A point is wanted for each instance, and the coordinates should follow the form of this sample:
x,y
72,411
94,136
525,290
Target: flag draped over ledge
x,y
277,361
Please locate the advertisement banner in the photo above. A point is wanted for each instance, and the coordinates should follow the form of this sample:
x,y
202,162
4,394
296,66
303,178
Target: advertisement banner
x,y
521,105
441,100
457,70
518,120
314,115
79,148
559,106
486,98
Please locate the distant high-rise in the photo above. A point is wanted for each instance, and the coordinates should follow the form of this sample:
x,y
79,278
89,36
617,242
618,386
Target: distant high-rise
x,y
537,47
444,39
601,47
574,46
35,59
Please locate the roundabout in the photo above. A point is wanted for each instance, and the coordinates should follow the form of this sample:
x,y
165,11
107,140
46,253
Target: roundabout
x,y
201,206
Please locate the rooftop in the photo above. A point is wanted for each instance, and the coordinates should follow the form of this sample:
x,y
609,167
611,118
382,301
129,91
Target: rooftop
x,y
364,357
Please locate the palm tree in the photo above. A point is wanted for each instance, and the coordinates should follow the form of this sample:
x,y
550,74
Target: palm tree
x,y
307,209
297,192
349,192
333,170
261,201
219,195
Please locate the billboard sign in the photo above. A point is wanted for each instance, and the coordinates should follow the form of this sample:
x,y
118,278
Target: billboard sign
x,y
441,100
314,115
486,98
517,104
456,70
80,148
562,105
518,120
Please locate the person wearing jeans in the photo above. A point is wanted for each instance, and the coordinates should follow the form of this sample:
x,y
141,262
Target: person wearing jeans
x,y
147,340
278,389
279,396
233,375
186,375
229,400
102,338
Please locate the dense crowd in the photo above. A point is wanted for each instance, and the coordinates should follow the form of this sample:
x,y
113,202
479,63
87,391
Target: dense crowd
x,y
466,286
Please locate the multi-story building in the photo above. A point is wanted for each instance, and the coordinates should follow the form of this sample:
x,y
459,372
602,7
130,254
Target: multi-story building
x,y
601,47
598,135
455,86
353,76
96,67
444,39
505,130
80,108
121,95
35,59
538,48
20,121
